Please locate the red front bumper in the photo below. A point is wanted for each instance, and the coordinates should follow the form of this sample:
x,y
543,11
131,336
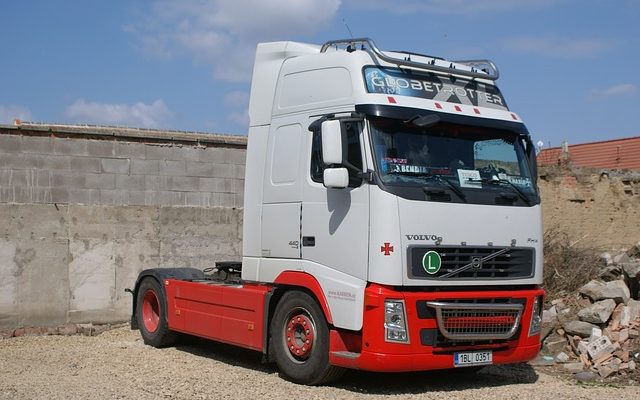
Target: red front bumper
x,y
369,351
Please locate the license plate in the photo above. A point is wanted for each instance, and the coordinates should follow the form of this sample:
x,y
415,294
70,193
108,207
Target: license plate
x,y
467,358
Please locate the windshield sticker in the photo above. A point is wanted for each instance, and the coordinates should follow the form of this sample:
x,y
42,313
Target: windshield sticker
x,y
469,178
391,160
431,86
518,180
415,169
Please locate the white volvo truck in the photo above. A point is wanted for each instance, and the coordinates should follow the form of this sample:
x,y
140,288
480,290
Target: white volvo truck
x,y
391,221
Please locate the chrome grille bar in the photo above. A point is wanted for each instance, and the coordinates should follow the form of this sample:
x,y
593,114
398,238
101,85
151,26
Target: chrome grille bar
x,y
477,321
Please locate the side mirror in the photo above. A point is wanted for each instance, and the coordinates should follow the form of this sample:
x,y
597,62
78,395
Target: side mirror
x,y
331,142
337,178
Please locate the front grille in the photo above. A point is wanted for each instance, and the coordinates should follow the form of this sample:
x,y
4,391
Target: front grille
x,y
477,321
514,263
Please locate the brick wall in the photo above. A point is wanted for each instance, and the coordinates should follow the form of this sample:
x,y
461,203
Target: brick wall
x,y
84,209
595,208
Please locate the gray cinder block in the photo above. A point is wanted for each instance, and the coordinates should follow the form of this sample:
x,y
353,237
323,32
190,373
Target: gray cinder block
x,y
100,148
115,165
70,147
145,167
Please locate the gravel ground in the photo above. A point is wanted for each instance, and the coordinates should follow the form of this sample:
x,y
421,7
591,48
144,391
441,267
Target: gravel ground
x,y
116,364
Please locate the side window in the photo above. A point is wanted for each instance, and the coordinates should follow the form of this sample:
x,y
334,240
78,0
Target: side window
x,y
351,151
317,166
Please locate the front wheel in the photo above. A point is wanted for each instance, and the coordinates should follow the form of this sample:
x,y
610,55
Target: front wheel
x,y
300,340
151,314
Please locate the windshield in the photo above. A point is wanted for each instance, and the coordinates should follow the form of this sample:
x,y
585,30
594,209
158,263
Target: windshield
x,y
451,162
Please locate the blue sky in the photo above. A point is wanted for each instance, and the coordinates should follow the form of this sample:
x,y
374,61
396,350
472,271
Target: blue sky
x,y
569,68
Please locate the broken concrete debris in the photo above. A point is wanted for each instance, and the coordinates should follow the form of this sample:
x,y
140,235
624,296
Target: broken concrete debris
x,y
580,328
598,290
600,337
599,312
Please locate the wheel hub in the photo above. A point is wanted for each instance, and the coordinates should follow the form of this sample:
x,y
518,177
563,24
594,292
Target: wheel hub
x,y
150,311
300,334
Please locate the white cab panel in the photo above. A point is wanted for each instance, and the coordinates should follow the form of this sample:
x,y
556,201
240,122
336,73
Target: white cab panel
x,y
300,90
338,220
254,180
266,68
476,225
386,251
282,174
281,230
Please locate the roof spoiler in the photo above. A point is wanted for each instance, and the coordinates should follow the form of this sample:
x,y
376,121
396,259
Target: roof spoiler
x,y
481,69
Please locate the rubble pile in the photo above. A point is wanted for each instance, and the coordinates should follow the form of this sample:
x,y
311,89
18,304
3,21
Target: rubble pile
x,y
596,332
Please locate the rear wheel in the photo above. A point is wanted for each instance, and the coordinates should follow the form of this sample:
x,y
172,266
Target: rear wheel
x,y
300,340
151,314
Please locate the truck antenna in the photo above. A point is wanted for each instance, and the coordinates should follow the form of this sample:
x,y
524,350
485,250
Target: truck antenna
x,y
345,24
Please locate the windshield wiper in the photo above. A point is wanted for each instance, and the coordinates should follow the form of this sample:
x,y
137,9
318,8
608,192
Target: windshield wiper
x,y
451,186
438,178
496,181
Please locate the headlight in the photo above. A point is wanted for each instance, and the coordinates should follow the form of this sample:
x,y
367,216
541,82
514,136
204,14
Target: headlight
x,y
395,321
536,317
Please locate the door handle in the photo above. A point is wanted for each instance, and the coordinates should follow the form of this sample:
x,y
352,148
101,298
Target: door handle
x,y
308,241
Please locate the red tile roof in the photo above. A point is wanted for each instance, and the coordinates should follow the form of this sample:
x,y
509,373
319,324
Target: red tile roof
x,y
609,154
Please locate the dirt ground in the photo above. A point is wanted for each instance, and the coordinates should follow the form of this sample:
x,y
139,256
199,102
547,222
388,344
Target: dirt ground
x,y
117,365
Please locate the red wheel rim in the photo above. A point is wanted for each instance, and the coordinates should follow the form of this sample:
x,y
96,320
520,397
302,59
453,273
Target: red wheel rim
x,y
299,336
150,311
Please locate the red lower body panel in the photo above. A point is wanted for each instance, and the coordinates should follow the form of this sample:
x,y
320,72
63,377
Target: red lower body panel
x,y
371,352
231,314
235,314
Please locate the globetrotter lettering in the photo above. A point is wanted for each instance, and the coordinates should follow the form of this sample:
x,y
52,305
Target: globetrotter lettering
x,y
435,88
431,86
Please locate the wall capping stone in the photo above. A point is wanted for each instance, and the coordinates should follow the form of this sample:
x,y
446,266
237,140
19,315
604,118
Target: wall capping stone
x,y
159,136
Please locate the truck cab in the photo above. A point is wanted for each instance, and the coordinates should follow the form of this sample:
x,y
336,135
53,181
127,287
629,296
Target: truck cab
x,y
397,192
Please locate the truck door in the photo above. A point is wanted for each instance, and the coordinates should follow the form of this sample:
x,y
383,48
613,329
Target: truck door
x,y
335,222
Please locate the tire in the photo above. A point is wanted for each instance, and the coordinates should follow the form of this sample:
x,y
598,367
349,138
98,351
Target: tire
x,y
151,314
300,340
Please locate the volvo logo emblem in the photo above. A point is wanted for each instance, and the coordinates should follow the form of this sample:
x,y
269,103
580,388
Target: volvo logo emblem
x,y
476,262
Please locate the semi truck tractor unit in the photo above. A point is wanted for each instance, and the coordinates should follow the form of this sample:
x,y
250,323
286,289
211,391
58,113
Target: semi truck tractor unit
x,y
391,221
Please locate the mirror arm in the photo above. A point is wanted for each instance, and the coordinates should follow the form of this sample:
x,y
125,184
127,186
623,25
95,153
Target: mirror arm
x,y
367,175
317,124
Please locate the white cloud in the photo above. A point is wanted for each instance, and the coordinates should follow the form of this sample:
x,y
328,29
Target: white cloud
x,y
450,7
11,112
224,33
557,47
623,89
138,114
237,98
240,118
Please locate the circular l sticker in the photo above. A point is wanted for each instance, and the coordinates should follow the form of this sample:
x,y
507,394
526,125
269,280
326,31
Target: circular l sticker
x,y
431,262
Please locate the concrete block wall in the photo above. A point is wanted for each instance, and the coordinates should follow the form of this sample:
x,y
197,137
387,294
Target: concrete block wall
x,y
82,213
35,169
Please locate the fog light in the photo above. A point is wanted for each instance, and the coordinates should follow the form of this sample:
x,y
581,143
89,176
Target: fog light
x,y
395,321
536,317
